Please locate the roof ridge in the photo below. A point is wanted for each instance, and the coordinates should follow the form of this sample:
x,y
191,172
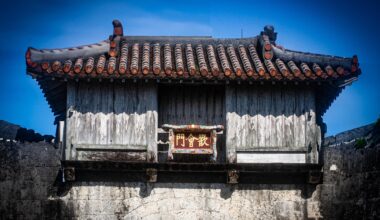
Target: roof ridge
x,y
164,36
188,37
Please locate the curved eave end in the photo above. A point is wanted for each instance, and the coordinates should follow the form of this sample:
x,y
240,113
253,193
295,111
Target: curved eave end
x,y
48,55
320,59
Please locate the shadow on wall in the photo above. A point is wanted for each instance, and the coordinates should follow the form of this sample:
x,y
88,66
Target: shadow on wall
x,y
190,181
27,174
140,97
119,98
248,100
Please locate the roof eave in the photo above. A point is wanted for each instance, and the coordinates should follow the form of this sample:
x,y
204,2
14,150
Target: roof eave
x,y
84,51
298,56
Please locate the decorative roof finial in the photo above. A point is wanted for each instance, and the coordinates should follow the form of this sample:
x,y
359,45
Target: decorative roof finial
x,y
117,28
115,38
269,31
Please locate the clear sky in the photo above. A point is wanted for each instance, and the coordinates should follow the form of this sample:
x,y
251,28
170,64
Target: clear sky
x,y
341,28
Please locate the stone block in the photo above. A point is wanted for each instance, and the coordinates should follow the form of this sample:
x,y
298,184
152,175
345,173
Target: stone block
x,y
285,210
29,207
313,210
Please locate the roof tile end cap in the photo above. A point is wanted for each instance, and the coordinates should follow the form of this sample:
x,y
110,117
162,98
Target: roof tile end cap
x,y
355,65
28,57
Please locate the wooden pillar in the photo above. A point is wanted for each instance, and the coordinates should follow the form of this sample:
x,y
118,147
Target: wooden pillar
x,y
70,106
230,127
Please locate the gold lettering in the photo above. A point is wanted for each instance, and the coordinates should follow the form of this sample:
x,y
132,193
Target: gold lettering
x,y
191,140
178,137
202,140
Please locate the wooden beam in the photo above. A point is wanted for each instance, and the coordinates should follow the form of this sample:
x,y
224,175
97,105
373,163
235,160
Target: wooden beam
x,y
232,176
151,175
110,147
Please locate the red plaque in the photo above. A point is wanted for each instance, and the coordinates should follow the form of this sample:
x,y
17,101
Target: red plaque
x,y
192,140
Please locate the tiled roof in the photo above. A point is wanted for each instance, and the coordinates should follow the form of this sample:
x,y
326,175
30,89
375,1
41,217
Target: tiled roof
x,y
197,58
192,59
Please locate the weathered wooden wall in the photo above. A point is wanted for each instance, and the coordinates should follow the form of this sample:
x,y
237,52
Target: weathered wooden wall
x,y
271,119
114,116
126,117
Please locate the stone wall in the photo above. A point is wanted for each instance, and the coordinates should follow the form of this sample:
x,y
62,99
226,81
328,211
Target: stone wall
x,y
30,189
351,183
351,178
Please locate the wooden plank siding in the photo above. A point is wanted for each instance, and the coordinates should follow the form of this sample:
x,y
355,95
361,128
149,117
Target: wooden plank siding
x,y
202,105
271,119
118,117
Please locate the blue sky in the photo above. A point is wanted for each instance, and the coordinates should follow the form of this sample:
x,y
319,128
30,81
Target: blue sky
x,y
341,28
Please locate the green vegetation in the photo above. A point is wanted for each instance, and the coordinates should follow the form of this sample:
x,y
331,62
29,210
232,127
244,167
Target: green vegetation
x,y
360,143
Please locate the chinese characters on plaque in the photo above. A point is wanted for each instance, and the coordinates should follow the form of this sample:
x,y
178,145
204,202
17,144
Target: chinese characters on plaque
x,y
192,140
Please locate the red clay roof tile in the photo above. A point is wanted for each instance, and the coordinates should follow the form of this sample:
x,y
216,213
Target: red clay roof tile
x,y
194,58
